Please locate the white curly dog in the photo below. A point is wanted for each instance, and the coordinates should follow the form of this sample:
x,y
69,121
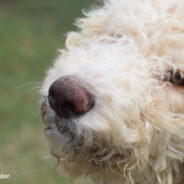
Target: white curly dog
x,y
113,103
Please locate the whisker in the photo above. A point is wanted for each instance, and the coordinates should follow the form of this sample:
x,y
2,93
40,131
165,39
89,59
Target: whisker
x,y
29,84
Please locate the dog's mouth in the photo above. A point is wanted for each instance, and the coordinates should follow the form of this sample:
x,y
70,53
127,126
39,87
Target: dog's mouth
x,y
64,130
76,148
84,147
57,125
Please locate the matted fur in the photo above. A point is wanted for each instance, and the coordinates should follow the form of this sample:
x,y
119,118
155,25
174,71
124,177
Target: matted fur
x,y
135,132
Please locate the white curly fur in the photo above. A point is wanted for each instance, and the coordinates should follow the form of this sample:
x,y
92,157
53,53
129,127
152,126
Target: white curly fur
x,y
135,132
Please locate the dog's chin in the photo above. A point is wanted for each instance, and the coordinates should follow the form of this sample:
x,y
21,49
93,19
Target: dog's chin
x,y
61,137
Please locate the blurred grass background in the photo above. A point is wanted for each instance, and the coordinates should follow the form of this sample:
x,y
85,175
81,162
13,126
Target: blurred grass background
x,y
30,33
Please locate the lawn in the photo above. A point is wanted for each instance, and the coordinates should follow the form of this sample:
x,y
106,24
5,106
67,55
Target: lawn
x,y
30,33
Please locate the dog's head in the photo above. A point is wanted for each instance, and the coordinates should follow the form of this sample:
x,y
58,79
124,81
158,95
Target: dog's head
x,y
114,100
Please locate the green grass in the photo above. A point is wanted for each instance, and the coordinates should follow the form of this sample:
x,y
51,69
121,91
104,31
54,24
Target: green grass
x,y
30,33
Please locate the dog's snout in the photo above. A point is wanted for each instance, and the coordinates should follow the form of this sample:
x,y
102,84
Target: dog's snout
x,y
69,98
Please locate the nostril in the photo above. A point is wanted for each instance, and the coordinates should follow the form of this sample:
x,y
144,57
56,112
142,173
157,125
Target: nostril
x,y
68,110
51,100
51,92
69,105
68,98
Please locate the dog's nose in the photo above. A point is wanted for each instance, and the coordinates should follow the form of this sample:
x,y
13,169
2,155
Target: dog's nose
x,y
69,98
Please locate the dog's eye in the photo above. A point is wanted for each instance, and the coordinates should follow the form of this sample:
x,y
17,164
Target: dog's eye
x,y
176,78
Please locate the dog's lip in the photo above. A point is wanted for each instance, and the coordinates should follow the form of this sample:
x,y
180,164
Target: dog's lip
x,y
49,131
52,123
47,128
53,127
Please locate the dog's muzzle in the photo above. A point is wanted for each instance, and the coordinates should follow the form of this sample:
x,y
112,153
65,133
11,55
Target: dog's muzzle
x,y
69,98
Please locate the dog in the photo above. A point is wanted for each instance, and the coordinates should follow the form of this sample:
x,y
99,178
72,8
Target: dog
x,y
113,102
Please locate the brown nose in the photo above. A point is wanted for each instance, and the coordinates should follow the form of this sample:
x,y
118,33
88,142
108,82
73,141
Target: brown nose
x,y
69,98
